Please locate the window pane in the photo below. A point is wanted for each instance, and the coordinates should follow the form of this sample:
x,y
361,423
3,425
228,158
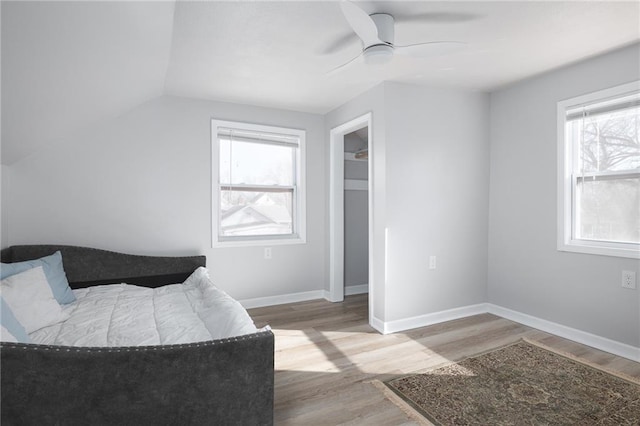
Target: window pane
x,y
256,213
609,142
256,163
609,210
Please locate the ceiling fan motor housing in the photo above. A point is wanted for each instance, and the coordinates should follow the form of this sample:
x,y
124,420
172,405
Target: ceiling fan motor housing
x,y
381,53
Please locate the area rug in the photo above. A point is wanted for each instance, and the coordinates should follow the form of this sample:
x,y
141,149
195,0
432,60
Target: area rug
x,y
521,384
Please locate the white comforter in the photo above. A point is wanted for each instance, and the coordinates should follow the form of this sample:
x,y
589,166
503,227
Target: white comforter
x,y
129,315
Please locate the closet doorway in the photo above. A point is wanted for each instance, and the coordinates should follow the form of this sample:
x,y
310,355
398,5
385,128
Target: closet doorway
x,y
351,184
356,212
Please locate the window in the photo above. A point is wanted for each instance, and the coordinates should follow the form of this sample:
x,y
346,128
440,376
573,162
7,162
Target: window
x,y
599,172
258,184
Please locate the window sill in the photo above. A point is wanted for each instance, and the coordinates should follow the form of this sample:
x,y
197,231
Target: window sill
x,y
602,249
259,242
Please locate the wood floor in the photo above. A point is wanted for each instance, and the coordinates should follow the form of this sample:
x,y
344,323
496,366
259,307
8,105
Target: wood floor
x,y
327,354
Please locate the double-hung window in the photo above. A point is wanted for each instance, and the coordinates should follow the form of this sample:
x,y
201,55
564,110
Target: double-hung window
x,y
258,184
599,172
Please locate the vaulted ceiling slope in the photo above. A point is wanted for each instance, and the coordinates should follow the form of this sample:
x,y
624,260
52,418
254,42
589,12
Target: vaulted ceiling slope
x,y
68,65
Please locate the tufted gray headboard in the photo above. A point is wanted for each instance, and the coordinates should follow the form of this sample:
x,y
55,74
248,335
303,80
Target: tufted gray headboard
x,y
86,266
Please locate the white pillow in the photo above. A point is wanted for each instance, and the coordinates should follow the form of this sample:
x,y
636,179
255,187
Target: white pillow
x,y
31,300
6,335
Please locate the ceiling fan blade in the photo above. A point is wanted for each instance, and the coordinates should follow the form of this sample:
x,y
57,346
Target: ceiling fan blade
x,y
361,23
339,43
343,66
430,49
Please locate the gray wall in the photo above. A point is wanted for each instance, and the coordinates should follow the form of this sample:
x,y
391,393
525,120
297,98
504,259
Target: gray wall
x,y
437,198
141,183
4,223
4,238
526,272
355,170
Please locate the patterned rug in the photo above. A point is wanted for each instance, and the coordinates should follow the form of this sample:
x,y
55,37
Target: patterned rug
x,y
521,384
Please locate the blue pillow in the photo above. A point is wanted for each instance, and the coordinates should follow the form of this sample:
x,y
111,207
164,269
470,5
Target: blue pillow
x,y
53,270
13,326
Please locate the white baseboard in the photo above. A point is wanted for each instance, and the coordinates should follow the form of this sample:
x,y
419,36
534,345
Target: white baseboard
x,y
432,318
386,327
598,342
356,289
282,299
617,348
260,302
377,324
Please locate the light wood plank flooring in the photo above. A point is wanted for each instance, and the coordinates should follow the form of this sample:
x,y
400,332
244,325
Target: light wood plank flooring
x,y
326,355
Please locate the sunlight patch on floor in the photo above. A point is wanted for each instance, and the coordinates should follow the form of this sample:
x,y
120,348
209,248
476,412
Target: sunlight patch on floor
x,y
341,351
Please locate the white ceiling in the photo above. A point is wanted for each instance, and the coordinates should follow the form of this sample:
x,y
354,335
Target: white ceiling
x,y
66,66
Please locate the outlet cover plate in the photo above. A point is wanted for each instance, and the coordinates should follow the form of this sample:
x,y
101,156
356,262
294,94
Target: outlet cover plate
x,y
629,279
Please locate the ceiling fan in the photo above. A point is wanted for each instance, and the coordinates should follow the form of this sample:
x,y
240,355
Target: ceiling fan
x,y
376,31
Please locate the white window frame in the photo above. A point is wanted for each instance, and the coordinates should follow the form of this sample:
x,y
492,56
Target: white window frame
x,y
299,188
566,182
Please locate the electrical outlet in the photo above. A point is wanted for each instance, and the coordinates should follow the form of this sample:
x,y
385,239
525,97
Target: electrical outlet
x,y
267,253
432,262
629,279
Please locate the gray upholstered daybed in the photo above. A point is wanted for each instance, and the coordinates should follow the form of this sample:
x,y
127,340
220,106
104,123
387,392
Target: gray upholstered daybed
x,y
217,382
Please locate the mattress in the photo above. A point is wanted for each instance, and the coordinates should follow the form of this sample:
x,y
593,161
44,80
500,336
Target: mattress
x,y
129,315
